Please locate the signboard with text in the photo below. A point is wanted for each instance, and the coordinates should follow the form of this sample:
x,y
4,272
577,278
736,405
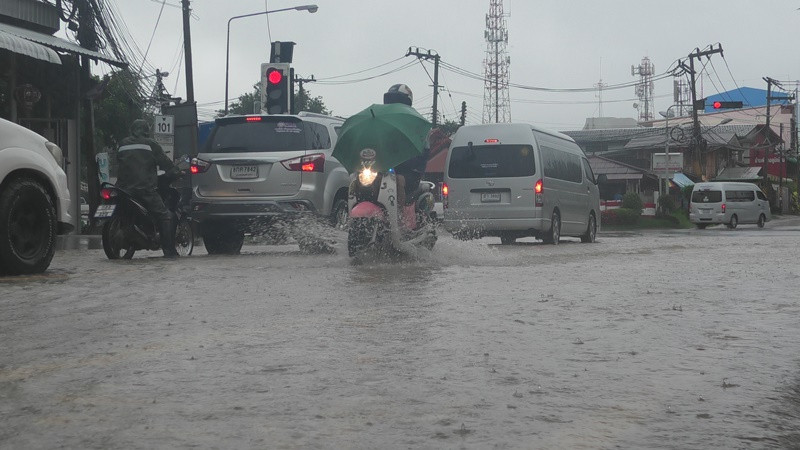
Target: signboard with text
x,y
664,164
164,133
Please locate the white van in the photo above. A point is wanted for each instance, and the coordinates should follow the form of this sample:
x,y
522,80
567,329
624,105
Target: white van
x,y
728,203
518,180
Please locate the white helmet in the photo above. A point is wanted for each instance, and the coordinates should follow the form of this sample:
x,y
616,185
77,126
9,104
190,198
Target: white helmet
x,y
398,93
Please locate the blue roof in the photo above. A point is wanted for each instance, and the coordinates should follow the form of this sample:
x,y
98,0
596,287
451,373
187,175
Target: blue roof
x,y
750,98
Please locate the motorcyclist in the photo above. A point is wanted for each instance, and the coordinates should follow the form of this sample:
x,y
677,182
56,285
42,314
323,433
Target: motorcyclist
x,y
409,173
138,156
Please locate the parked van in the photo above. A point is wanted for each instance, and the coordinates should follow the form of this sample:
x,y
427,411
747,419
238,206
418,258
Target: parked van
x,y
518,180
728,203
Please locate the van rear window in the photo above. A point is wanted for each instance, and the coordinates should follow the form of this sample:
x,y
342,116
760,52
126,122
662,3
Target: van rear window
x,y
491,161
706,196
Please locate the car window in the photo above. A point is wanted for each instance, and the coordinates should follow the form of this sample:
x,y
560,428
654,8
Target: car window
x,y
561,165
587,171
318,136
761,195
740,196
264,135
706,196
491,161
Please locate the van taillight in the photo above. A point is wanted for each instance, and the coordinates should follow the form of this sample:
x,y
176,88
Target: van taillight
x,y
538,193
723,207
445,193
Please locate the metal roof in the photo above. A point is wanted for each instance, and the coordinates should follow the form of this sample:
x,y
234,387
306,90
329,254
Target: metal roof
x,y
25,47
615,170
739,174
58,44
717,136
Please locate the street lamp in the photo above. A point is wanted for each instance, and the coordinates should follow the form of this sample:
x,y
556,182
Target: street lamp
x,y
309,8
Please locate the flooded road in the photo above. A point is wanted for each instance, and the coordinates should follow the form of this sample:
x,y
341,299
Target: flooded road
x,y
643,340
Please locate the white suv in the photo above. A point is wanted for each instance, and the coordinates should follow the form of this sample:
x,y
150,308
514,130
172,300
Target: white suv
x,y
34,200
259,171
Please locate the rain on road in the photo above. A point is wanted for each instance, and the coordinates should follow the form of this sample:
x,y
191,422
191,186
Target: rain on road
x,y
684,339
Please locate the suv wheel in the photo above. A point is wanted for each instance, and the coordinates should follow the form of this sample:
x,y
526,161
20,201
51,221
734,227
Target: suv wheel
x,y
222,239
339,214
27,227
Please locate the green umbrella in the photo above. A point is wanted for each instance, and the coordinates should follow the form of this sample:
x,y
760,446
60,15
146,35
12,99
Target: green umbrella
x,y
395,131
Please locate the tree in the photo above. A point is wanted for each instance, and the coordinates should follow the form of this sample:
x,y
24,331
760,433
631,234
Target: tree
x,y
449,127
117,107
245,104
303,102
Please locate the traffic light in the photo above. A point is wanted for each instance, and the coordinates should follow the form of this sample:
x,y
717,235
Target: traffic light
x,y
726,105
276,90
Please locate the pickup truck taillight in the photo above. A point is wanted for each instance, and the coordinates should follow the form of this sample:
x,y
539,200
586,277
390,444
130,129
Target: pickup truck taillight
x,y
309,163
199,166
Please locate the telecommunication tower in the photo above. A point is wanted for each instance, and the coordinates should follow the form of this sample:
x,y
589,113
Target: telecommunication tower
x,y
496,102
682,96
644,88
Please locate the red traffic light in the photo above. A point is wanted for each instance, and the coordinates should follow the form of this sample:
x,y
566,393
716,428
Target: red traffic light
x,y
274,76
717,105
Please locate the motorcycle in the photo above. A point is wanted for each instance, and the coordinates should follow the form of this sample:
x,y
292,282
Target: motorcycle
x,y
128,226
374,222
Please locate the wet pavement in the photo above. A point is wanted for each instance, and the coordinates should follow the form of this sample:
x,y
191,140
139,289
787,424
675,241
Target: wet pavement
x,y
657,339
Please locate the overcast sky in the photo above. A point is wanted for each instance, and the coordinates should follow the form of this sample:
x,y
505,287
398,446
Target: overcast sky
x,y
552,44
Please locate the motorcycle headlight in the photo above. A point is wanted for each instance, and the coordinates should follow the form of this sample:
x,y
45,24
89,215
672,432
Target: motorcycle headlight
x,y
367,176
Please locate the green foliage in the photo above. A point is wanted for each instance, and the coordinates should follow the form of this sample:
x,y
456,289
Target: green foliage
x,y
449,127
666,204
245,103
620,216
686,191
117,108
632,201
304,102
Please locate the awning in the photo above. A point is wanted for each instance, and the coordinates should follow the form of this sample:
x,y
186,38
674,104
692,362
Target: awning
x,y
25,47
681,180
57,43
624,176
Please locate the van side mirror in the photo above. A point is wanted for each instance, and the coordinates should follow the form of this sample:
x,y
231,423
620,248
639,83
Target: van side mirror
x,y
601,179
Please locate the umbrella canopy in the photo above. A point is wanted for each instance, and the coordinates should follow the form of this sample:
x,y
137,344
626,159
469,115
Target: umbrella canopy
x,y
395,132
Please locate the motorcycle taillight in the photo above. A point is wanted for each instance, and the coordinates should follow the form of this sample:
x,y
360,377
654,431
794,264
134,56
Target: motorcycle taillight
x,y
107,193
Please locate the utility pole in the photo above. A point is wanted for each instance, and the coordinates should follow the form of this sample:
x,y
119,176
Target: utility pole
x,y
698,144
187,50
299,80
435,57
463,113
770,82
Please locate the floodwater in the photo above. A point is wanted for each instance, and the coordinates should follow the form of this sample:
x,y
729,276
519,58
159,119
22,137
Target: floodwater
x,y
653,340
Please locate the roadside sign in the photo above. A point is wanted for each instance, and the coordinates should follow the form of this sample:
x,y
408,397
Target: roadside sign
x,y
671,165
164,133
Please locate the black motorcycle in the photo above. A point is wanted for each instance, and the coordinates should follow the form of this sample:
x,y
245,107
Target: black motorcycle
x,y
128,226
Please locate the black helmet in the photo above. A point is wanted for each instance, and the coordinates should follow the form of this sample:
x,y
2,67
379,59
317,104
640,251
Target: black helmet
x,y
399,93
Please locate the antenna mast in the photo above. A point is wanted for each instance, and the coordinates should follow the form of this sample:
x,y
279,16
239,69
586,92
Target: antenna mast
x,y
496,102
644,88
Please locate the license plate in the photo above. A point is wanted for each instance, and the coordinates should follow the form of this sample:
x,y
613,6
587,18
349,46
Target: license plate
x,y
240,172
490,197
104,211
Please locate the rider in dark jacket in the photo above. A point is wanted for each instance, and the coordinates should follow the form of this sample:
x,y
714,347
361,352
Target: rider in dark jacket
x,y
138,158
